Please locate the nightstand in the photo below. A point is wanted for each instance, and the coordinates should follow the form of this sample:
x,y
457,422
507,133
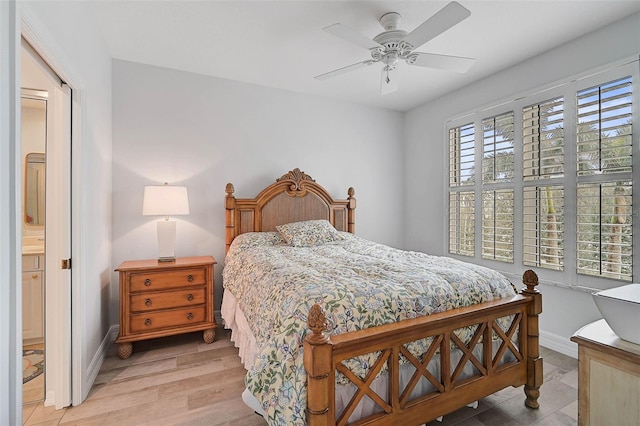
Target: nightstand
x,y
160,299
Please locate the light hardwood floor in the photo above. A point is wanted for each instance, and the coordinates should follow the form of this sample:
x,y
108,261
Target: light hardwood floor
x,y
180,380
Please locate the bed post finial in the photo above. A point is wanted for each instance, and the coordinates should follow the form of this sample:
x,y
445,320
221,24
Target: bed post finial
x,y
534,361
351,210
230,216
530,279
317,323
318,364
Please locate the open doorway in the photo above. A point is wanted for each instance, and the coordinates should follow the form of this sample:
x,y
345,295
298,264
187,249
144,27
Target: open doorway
x,y
34,145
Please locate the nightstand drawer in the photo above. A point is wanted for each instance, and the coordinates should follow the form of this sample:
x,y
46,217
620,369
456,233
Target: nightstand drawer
x,y
168,279
167,299
165,319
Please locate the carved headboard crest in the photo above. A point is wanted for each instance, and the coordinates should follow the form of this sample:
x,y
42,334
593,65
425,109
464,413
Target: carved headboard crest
x,y
297,178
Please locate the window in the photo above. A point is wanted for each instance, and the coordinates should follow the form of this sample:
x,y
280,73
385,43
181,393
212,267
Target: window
x,y
497,162
543,226
604,128
462,223
461,200
461,155
543,193
604,230
555,189
497,225
604,194
543,139
497,189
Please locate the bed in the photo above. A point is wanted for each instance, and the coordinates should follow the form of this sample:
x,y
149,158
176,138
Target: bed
x,y
324,347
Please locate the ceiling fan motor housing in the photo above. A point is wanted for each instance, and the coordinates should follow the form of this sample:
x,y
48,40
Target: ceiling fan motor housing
x,y
392,47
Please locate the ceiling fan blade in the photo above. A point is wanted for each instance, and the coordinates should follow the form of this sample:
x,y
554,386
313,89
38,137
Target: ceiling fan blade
x,y
344,70
446,18
351,35
431,60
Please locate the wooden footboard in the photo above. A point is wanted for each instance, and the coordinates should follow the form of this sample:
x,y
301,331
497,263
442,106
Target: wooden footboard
x,y
505,326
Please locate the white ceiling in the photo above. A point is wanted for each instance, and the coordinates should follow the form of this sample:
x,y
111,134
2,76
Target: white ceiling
x,y
281,43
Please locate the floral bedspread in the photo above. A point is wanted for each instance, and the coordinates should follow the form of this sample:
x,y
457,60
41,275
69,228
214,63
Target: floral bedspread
x,y
359,283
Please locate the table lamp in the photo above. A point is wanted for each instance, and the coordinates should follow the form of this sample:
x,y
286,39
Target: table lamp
x,y
165,200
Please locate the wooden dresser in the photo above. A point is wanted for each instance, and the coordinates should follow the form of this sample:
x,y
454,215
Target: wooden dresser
x,y
608,377
159,299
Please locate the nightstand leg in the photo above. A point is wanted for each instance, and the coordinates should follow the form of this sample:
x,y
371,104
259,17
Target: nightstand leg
x,y
125,350
209,335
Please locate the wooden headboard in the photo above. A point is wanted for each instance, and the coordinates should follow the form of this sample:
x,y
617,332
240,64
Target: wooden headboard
x,y
294,197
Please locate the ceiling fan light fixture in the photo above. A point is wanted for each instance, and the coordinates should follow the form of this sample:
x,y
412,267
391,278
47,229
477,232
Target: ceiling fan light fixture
x,y
390,60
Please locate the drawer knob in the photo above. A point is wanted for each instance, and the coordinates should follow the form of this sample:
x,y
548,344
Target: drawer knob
x,y
189,297
147,321
147,282
189,316
189,277
34,276
147,302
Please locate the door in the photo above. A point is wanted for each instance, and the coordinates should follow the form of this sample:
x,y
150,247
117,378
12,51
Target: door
x,y
58,251
57,277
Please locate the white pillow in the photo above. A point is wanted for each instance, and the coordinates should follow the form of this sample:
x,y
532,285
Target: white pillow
x,y
309,233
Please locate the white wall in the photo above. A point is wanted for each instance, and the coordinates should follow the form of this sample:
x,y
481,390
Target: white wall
x,y
426,149
203,132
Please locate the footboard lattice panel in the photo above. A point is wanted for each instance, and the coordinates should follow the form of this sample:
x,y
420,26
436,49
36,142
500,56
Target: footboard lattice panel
x,y
433,364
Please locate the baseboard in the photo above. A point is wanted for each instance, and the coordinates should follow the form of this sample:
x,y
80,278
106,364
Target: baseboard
x,y
113,332
558,344
49,399
98,359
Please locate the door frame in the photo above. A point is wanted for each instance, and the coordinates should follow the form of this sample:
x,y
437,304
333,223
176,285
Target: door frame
x,y
68,386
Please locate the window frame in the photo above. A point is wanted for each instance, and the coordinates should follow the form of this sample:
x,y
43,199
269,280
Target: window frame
x,y
568,89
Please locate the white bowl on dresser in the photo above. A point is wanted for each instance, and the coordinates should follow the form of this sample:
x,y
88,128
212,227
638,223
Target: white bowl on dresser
x,y
620,307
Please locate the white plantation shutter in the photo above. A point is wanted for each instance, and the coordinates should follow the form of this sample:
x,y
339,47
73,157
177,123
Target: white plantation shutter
x,y
543,226
604,192
543,139
543,193
497,225
546,181
461,155
461,201
604,230
462,223
497,161
603,128
497,187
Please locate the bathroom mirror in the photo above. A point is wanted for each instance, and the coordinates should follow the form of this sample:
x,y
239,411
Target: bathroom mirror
x,y
34,140
34,212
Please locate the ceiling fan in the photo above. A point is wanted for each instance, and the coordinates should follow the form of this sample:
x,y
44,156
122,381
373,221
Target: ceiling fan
x,y
393,44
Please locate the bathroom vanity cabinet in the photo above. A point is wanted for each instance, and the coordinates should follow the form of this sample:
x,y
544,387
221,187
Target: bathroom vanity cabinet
x,y
32,298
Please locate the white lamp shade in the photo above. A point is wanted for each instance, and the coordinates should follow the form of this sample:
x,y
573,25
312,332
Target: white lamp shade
x,y
165,200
